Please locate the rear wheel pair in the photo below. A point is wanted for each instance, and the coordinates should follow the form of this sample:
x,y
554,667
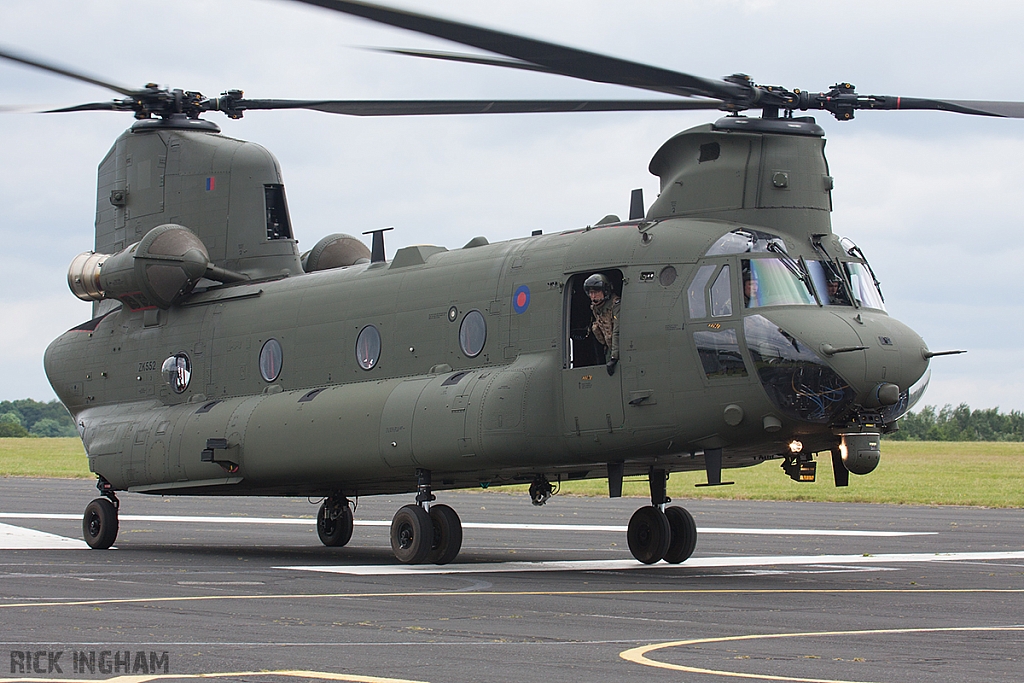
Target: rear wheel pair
x,y
418,536
654,535
334,522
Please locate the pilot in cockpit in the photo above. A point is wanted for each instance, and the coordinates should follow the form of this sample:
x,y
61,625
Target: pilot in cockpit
x,y
836,292
749,288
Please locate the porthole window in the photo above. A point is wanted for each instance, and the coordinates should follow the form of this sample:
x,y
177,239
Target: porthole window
x,y
368,347
473,334
177,371
271,358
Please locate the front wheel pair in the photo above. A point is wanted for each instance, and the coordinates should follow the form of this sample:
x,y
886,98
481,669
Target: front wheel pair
x,y
654,535
418,536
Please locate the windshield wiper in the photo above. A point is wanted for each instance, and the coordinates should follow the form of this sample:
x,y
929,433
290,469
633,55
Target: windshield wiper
x,y
855,252
835,266
797,268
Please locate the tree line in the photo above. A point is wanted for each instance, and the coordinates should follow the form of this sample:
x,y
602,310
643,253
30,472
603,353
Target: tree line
x,y
26,417
960,424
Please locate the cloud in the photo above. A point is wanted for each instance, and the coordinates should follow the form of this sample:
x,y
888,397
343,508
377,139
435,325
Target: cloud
x,y
930,197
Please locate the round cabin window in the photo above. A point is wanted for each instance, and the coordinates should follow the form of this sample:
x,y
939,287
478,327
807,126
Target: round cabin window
x,y
368,347
177,371
473,334
271,357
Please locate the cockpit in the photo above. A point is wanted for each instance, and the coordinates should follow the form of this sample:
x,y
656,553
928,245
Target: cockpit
x,y
771,277
735,341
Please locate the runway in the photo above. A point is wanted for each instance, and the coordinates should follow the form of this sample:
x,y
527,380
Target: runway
x,y
235,590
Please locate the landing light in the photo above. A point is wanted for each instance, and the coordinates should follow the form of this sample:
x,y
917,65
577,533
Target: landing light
x,y
795,446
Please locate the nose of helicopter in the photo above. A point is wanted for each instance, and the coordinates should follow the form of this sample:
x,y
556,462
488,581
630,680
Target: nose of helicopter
x,y
877,357
894,355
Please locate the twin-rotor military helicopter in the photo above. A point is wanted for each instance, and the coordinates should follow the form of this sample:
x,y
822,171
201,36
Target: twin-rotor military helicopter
x,y
221,361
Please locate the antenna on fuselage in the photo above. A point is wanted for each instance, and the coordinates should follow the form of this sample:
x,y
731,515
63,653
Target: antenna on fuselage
x,y
377,249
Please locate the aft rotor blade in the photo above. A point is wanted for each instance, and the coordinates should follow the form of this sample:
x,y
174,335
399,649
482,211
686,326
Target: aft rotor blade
x,y
465,58
449,107
560,59
90,106
63,71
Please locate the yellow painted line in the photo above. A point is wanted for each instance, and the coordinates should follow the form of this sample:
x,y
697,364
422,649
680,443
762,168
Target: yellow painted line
x,y
145,678
450,594
638,655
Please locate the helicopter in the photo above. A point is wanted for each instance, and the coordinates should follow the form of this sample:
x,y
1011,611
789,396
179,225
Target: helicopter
x,y
221,361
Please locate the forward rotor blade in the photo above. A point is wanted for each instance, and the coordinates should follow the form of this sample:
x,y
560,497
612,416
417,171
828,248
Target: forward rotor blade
x,y
1010,110
559,59
449,107
63,71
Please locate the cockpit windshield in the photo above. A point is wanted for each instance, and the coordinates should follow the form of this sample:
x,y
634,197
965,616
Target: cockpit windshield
x,y
864,288
828,283
834,292
781,280
770,282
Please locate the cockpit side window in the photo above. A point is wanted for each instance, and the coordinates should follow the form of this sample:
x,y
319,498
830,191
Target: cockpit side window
x,y
719,352
721,295
695,294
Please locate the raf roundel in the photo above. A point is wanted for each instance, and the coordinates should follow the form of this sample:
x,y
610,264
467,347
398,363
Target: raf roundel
x,y
521,299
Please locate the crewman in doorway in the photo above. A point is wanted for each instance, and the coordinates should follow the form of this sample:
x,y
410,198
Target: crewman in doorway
x,y
605,307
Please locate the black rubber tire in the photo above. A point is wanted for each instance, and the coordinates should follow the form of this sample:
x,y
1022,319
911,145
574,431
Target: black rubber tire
x,y
648,534
684,534
412,534
334,533
99,524
447,535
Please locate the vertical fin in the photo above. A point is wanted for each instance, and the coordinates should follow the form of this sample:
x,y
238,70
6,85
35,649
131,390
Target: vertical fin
x,y
636,204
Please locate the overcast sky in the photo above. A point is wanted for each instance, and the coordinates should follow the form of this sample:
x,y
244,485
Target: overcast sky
x,y
933,199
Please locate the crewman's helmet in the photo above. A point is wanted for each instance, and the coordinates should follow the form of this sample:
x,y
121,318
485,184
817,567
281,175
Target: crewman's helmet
x,y
597,283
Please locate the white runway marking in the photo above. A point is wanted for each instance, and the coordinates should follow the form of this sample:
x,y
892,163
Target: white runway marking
x,y
304,521
692,563
17,538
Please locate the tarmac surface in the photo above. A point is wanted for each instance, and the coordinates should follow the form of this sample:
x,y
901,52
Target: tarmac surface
x,y
241,590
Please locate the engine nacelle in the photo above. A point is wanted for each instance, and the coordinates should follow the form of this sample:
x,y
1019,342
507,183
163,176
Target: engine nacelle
x,y
335,251
156,272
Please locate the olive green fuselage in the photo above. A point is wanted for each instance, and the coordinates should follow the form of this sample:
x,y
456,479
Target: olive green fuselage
x,y
531,402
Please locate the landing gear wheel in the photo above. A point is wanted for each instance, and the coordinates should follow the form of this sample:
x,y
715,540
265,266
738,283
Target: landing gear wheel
x,y
334,523
412,534
684,534
99,525
447,539
648,534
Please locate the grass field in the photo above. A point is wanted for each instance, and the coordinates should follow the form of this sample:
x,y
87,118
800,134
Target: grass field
x,y
44,458
913,472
